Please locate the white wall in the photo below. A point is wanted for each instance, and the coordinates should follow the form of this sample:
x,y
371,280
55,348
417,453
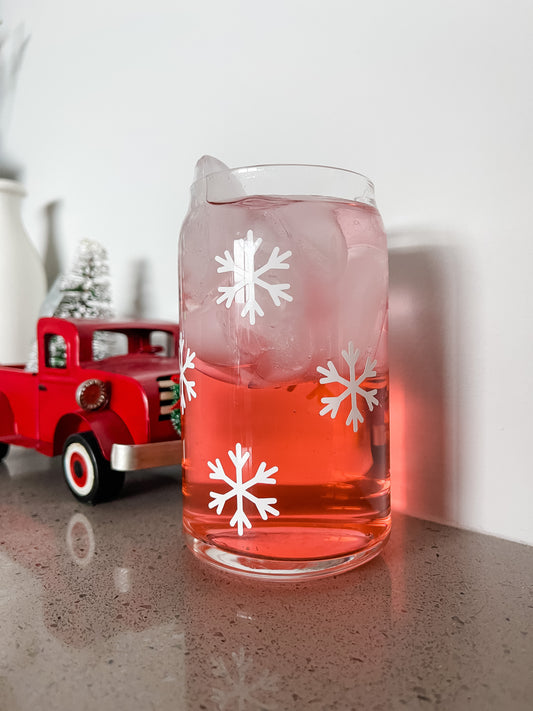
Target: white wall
x,y
431,99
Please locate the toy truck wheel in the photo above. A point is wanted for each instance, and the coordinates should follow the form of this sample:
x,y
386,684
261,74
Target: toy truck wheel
x,y
4,449
87,472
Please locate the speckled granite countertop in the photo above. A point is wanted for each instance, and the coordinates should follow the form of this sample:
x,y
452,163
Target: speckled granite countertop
x,y
104,608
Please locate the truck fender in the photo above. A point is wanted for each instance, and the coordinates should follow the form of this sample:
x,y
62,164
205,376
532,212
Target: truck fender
x,y
107,427
7,421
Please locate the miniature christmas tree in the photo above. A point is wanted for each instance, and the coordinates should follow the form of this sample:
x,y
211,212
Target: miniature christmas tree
x,y
175,413
82,293
86,290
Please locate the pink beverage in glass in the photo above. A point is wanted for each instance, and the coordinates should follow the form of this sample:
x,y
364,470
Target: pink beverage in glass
x,y
284,377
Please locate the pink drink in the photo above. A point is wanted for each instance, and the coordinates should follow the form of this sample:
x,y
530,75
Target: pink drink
x,y
321,514
284,317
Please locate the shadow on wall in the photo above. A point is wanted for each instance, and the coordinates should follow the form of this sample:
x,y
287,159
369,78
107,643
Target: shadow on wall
x,y
12,50
52,261
424,352
140,292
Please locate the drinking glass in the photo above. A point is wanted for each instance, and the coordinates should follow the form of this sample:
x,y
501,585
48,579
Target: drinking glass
x,y
284,373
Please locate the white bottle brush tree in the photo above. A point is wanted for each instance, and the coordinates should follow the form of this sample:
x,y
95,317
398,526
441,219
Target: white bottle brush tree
x,y
84,292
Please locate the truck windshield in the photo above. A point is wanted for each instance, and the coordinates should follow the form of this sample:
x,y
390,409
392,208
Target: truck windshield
x,y
109,344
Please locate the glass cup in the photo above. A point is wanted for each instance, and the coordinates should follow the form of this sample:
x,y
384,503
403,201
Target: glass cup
x,y
284,371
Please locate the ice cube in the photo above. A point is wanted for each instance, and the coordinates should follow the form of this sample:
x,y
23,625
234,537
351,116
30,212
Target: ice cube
x,y
238,284
207,165
360,224
304,332
363,298
212,333
286,357
196,269
268,315
224,188
317,242
208,232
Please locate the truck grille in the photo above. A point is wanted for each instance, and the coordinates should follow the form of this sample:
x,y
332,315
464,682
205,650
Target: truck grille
x,y
166,396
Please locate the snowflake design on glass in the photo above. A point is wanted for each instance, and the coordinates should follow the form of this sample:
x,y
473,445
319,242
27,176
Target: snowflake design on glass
x,y
247,278
187,391
241,490
242,688
352,387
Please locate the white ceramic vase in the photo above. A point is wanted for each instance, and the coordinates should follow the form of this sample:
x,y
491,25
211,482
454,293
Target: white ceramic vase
x,y
22,278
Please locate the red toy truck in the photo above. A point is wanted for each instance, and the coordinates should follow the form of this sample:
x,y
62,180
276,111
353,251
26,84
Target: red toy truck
x,y
104,416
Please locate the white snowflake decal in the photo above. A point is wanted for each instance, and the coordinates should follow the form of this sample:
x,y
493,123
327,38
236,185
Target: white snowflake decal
x,y
352,385
186,386
243,687
248,278
241,490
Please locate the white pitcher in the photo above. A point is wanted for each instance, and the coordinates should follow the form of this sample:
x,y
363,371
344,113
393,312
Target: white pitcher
x,y
22,278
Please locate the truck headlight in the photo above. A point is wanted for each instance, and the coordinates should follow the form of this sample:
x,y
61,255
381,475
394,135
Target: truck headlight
x,y
92,394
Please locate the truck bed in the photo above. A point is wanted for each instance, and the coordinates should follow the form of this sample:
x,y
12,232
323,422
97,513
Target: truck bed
x,y
18,403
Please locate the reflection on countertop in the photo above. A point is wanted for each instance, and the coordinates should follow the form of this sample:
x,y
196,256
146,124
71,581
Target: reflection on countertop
x,y
103,607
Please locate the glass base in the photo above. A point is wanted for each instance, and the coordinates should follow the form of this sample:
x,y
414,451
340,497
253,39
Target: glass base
x,y
281,569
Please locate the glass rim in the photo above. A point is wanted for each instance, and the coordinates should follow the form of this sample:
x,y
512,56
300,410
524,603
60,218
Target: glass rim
x,y
245,168
364,195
